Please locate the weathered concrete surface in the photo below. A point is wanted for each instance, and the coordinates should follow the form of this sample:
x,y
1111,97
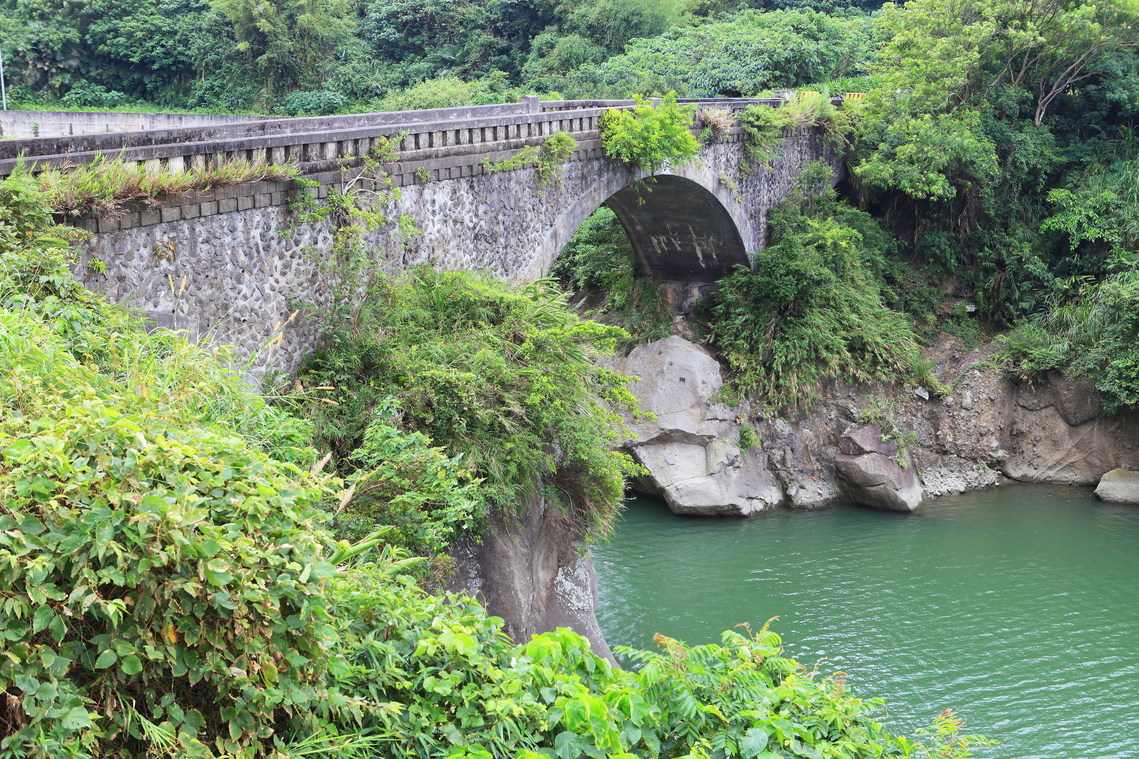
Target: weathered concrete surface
x,y
691,447
1119,486
534,573
24,124
870,474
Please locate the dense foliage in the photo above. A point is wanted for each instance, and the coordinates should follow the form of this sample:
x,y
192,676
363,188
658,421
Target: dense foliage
x,y
812,309
503,379
450,684
650,134
167,589
160,575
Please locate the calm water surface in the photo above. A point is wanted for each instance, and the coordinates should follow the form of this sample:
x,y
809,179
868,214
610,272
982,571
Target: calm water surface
x,y
1018,607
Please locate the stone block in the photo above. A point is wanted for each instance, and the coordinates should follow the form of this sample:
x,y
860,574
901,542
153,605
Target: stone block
x,y
245,202
173,213
262,199
209,207
107,225
191,211
149,217
227,205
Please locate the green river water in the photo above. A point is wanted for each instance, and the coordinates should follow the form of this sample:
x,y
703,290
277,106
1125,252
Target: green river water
x,y
1018,607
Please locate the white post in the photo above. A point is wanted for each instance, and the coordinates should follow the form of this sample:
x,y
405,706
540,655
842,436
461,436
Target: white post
x,y
3,89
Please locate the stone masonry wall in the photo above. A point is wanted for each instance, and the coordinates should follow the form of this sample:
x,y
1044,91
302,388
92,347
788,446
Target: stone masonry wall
x,y
233,264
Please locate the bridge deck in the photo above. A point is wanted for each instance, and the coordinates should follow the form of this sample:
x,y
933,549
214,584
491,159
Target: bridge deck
x,y
321,143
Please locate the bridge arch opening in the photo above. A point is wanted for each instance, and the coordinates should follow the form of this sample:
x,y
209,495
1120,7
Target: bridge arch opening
x,y
670,235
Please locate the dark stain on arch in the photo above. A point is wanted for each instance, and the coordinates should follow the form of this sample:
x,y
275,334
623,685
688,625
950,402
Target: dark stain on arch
x,y
679,230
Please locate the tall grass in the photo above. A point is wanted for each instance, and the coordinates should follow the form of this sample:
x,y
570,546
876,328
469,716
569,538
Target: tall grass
x,y
107,186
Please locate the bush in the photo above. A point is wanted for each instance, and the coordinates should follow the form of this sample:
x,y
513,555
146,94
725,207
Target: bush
x,y
646,138
157,579
161,574
313,103
812,309
88,95
470,693
502,375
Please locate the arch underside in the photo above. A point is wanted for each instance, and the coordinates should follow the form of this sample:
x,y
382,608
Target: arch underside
x,y
679,230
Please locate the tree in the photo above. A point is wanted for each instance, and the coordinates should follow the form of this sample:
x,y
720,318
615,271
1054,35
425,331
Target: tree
x,y
288,41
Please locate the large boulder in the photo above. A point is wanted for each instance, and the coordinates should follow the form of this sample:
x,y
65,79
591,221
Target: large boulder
x,y
717,479
691,448
1119,486
870,474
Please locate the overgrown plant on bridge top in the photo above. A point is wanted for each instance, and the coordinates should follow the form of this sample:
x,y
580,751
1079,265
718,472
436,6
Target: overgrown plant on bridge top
x,y
648,136
547,160
108,185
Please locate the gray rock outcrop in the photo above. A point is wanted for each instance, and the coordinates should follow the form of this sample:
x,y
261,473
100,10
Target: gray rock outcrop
x,y
533,572
1119,486
691,448
869,472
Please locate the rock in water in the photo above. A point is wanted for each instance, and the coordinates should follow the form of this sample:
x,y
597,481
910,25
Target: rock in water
x,y
1119,486
869,474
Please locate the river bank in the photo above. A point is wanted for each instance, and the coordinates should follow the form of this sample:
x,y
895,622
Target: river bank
x,y
705,457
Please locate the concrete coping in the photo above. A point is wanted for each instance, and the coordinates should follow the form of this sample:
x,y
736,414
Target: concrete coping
x,y
289,133
390,122
44,146
121,145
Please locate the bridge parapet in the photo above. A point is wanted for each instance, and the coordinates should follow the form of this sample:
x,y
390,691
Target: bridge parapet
x,y
321,143
248,264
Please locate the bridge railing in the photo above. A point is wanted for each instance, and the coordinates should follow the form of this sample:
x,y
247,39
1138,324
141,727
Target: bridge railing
x,y
323,143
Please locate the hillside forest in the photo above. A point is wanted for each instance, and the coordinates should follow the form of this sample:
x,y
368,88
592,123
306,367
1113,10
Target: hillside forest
x,y
192,569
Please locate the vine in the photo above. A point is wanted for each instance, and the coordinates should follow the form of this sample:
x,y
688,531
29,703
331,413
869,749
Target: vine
x,y
548,160
358,206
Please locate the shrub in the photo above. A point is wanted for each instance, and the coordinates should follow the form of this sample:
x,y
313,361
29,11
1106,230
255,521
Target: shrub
x,y
764,126
161,575
448,683
401,480
89,95
313,103
812,309
152,572
646,138
106,186
502,375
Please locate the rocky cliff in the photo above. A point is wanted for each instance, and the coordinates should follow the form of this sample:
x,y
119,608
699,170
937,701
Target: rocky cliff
x,y
534,572
706,458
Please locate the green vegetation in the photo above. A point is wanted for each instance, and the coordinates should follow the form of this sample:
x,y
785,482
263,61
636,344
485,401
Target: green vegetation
x,y
547,160
503,379
728,56
169,588
650,135
600,267
765,126
813,307
106,186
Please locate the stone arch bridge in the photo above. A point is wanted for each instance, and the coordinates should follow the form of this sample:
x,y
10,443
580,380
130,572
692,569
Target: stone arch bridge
x,y
224,262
